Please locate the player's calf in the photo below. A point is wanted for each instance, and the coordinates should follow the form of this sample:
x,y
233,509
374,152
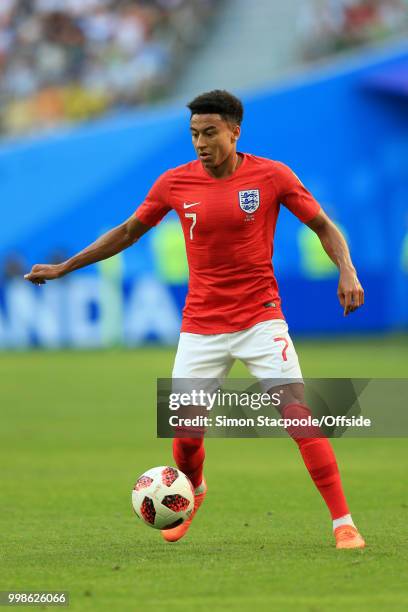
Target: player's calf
x,y
320,461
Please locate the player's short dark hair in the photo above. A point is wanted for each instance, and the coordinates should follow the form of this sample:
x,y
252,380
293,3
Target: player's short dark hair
x,y
219,102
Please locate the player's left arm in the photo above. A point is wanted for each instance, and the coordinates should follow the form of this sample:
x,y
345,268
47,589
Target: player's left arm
x,y
350,292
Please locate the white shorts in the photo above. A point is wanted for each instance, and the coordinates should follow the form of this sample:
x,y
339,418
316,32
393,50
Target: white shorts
x,y
265,348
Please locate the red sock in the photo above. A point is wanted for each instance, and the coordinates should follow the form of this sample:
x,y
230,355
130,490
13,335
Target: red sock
x,y
189,454
320,461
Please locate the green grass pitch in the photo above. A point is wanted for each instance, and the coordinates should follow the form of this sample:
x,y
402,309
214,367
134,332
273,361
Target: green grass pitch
x,y
78,428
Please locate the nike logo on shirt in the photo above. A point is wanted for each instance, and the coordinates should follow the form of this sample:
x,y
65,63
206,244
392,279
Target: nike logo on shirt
x,y
190,205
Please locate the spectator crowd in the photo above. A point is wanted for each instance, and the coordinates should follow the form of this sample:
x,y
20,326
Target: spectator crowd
x,y
67,60
328,26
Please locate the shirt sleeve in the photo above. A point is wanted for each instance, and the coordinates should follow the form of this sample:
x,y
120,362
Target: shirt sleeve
x,y
294,195
156,204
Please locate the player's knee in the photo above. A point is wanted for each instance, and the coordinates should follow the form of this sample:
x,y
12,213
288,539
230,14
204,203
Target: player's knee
x,y
292,393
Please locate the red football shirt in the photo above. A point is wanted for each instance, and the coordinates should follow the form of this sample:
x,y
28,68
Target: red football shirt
x,y
228,226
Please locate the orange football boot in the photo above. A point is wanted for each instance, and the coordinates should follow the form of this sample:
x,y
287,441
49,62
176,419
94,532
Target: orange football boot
x,y
347,536
176,533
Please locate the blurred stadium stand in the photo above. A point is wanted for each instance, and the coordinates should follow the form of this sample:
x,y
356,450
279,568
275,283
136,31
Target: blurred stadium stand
x,y
343,127
248,47
330,26
65,60
72,60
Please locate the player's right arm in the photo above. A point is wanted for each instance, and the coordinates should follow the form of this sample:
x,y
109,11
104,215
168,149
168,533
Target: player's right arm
x,y
116,240
153,209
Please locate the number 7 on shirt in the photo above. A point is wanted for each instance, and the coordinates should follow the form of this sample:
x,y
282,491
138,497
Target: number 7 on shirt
x,y
192,216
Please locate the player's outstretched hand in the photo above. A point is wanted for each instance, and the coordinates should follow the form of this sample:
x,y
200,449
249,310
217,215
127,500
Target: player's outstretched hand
x,y
350,291
40,273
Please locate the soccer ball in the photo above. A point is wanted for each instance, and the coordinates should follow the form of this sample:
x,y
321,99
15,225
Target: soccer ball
x,y
163,497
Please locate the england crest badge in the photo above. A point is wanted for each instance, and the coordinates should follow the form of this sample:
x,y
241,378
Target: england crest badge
x,y
249,200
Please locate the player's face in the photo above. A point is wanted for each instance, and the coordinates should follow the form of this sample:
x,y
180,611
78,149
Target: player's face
x,y
214,139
